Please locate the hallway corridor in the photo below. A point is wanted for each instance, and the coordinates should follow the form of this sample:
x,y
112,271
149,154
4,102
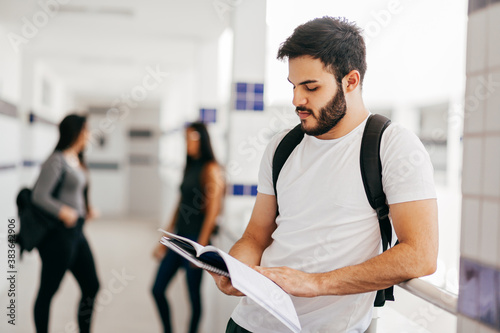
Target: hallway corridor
x,y
126,269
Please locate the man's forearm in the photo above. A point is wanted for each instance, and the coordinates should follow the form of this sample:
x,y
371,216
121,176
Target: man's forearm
x,y
247,251
396,265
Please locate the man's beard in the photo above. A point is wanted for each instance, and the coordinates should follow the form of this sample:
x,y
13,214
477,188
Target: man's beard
x,y
329,115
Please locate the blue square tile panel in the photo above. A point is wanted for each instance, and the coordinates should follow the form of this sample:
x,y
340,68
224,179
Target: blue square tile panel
x,y
241,105
238,189
258,88
241,87
258,106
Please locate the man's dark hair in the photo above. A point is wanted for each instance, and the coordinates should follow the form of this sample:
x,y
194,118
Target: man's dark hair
x,y
335,41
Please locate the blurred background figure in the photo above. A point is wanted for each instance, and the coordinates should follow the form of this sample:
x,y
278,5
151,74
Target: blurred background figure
x,y
65,246
202,192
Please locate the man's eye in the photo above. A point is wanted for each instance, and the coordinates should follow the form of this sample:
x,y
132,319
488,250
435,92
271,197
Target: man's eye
x,y
311,89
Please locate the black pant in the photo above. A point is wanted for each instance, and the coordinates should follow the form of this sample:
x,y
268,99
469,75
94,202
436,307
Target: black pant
x,y
168,267
232,327
61,250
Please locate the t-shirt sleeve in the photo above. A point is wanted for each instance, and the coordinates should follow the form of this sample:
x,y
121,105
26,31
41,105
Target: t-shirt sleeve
x,y
265,184
407,172
47,181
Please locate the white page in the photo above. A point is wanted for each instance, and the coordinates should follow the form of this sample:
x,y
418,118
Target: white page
x,y
256,286
262,291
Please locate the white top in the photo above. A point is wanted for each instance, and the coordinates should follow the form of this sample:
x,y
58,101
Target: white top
x,y
326,222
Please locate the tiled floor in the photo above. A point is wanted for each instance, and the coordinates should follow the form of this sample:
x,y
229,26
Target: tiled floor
x,y
126,269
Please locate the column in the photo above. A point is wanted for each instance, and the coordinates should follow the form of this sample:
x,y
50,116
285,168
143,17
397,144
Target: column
x,y
247,116
479,295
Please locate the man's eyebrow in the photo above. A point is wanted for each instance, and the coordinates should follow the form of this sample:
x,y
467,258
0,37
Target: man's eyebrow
x,y
304,82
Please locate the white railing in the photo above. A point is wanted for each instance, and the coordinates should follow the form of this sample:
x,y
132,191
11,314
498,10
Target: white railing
x,y
428,292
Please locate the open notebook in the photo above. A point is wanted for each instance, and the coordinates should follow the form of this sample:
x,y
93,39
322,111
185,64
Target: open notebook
x,y
210,261
254,285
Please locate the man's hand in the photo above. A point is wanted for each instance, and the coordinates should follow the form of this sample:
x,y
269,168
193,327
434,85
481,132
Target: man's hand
x,y
292,281
224,284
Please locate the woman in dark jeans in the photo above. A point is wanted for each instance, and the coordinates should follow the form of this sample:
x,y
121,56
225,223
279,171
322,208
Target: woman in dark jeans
x,y
202,190
65,247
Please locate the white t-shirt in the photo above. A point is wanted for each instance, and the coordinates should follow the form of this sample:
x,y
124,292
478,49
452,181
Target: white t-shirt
x,y
326,222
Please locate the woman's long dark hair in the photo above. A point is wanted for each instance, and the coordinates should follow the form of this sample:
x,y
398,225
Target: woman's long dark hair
x,y
69,131
206,151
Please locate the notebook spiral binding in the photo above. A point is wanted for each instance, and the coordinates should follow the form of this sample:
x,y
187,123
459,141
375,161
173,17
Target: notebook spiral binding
x,y
165,241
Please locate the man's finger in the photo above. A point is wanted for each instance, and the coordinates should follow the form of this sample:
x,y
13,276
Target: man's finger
x,y
224,285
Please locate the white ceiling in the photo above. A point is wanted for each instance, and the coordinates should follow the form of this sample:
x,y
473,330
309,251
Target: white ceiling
x,y
102,47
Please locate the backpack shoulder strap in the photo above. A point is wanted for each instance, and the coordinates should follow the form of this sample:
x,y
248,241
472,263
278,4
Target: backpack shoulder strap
x,y
283,151
371,173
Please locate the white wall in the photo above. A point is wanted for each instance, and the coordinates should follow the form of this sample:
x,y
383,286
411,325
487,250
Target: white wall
x,y
108,187
10,159
479,295
9,69
21,81
249,66
144,177
10,127
40,138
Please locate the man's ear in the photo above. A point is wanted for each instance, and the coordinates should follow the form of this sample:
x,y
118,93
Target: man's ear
x,y
351,81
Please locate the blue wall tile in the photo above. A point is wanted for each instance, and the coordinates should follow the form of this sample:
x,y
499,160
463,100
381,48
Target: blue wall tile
x,y
469,289
244,190
249,96
258,106
241,105
241,87
208,115
259,88
34,118
254,190
28,163
238,189
479,292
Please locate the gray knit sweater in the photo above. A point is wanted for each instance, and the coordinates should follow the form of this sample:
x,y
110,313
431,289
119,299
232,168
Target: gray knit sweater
x,y
72,188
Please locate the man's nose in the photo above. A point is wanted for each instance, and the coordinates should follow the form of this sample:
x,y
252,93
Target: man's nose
x,y
299,98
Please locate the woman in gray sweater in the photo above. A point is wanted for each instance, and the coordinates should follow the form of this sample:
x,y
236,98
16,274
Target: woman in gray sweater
x,y
65,246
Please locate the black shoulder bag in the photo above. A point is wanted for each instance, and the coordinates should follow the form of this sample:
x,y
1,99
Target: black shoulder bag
x,y
34,221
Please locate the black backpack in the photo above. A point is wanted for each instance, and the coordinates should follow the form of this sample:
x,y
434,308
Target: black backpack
x,y
34,221
371,172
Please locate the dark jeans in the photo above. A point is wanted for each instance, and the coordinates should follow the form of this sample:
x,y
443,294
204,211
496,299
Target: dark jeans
x,y
232,327
168,267
61,250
